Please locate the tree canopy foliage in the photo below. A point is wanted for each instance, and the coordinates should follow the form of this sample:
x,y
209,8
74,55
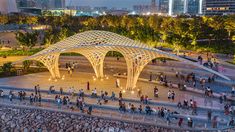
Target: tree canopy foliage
x,y
27,39
213,33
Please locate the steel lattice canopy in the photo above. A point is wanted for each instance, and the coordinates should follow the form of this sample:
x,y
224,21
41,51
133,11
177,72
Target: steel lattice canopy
x,y
95,44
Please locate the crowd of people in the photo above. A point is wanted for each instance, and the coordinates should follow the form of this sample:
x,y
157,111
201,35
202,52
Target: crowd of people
x,y
143,108
70,67
191,104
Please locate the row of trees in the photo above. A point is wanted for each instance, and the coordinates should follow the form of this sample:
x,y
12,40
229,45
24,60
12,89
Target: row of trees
x,y
208,33
8,69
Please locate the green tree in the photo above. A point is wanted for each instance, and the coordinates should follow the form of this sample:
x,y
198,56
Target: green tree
x,y
3,19
194,30
39,64
27,64
6,68
27,39
31,20
230,26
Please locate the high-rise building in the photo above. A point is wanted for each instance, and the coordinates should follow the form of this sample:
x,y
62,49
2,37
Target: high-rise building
x,y
218,7
142,8
43,4
178,7
193,7
153,6
8,6
59,3
200,7
162,6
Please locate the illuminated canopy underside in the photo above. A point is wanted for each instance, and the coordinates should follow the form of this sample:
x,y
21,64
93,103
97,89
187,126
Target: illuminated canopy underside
x,y
94,45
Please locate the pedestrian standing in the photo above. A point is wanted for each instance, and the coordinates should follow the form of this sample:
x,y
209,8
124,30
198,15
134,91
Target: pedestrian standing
x,y
39,99
120,94
38,89
11,96
59,102
35,89
169,95
173,95
113,96
214,122
150,76
190,122
69,69
31,98
89,110
88,86
194,83
180,122
61,90
209,113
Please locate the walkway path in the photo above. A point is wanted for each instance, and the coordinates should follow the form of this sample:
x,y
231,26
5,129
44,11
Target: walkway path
x,y
106,111
113,106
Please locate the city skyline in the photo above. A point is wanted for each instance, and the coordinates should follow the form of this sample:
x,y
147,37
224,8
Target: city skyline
x,y
109,3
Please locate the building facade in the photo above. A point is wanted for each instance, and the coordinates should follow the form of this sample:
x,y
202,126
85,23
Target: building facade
x,y
193,7
59,3
162,6
178,7
8,6
218,7
43,4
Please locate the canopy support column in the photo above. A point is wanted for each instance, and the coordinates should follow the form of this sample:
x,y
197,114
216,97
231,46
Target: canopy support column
x,y
51,61
136,61
96,59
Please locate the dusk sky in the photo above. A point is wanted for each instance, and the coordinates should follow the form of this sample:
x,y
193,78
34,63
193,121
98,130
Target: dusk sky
x,y
108,3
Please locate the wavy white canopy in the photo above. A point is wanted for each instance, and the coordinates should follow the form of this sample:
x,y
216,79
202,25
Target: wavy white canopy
x,y
94,45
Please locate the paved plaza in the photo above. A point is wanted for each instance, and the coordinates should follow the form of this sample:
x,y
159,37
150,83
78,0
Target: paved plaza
x,y
79,81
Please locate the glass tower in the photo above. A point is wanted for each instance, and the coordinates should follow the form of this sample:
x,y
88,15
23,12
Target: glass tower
x,y
218,7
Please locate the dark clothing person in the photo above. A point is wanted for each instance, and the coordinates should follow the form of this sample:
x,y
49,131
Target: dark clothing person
x,y
120,94
209,115
88,86
89,110
180,122
190,123
61,91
